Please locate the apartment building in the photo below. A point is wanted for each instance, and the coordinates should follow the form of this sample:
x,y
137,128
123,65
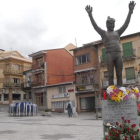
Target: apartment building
x,y
52,77
12,65
86,76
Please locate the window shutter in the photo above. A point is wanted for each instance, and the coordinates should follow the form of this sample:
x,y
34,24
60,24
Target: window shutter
x,y
130,73
127,49
104,55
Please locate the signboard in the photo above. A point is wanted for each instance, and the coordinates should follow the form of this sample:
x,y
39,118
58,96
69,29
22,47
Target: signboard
x,y
70,90
112,112
61,95
81,88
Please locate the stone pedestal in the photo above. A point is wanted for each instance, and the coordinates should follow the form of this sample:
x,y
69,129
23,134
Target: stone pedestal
x,y
113,112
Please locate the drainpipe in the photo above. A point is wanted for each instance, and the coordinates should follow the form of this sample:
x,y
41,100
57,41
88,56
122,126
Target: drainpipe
x,y
45,72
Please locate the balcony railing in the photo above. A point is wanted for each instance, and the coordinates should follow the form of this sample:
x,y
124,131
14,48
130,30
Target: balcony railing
x,y
9,84
34,84
12,71
130,54
36,66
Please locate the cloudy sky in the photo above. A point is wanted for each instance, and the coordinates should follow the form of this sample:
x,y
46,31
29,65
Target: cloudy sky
x,y
32,25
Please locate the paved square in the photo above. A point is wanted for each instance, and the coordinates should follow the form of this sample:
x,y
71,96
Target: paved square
x,y
55,127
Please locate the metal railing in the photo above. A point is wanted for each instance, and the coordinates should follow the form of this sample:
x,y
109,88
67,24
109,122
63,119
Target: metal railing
x,y
36,66
12,71
10,84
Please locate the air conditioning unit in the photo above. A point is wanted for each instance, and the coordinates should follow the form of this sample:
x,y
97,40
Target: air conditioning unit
x,y
2,90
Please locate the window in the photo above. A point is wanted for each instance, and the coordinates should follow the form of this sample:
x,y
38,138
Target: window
x,y
15,67
57,104
127,50
6,97
39,62
103,55
39,78
30,95
83,59
7,66
106,78
16,80
16,96
91,79
130,73
24,96
62,89
84,79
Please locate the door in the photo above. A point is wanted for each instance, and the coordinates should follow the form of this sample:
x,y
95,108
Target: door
x,y
39,99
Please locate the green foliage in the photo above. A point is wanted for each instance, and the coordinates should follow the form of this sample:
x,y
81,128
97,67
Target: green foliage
x,y
47,110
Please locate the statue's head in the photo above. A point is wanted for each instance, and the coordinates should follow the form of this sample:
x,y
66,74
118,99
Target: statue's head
x,y
110,23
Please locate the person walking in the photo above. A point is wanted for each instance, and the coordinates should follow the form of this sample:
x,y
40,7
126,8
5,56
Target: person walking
x,y
69,108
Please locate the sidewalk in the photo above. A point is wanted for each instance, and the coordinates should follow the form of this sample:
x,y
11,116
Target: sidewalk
x,y
56,127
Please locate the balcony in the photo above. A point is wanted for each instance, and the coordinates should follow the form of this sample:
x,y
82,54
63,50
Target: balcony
x,y
38,68
129,55
12,71
10,84
102,61
26,85
84,86
35,84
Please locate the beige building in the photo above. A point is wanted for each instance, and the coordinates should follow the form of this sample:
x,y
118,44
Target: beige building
x,y
130,47
12,65
58,96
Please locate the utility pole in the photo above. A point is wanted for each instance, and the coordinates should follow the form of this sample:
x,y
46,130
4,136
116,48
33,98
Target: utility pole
x,y
96,98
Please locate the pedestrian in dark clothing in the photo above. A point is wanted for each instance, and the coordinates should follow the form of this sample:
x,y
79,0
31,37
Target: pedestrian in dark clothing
x,y
69,108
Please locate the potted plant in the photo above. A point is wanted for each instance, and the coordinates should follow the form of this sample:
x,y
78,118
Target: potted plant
x,y
46,112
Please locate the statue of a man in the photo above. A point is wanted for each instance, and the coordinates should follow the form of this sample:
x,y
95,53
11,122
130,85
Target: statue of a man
x,y
111,41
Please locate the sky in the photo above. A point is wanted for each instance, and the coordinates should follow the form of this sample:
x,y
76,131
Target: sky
x,y
29,26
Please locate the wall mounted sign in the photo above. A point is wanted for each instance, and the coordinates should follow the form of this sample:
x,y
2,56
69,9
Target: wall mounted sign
x,y
81,88
61,95
70,90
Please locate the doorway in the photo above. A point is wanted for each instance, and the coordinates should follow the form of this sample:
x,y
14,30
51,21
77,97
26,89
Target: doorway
x,y
39,99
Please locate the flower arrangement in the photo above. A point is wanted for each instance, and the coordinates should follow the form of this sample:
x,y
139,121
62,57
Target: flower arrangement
x,y
123,131
119,94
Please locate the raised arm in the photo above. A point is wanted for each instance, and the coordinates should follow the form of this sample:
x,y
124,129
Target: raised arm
x,y
125,25
89,11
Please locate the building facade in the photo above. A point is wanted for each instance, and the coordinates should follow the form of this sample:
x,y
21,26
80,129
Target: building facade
x,y
50,68
12,65
86,76
130,47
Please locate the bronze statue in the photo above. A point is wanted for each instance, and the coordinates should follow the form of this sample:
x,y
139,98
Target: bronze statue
x,y
111,41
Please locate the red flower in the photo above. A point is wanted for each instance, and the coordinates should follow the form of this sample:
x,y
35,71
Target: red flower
x,y
125,121
128,121
119,131
132,138
128,129
134,134
125,138
117,123
120,126
133,125
116,135
137,130
122,118
106,138
110,134
111,129
114,131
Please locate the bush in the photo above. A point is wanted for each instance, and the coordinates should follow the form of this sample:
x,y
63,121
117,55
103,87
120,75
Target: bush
x,y
47,110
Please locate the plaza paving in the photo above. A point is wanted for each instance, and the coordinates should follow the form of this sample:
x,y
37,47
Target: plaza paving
x,y
55,127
